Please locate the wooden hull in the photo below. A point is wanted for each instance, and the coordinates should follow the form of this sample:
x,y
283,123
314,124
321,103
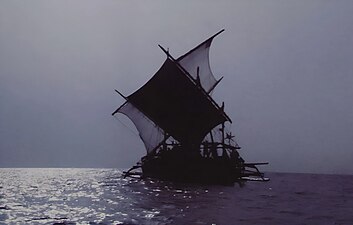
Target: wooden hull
x,y
193,169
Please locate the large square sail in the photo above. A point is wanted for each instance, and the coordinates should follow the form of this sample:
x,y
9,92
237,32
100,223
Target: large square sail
x,y
172,101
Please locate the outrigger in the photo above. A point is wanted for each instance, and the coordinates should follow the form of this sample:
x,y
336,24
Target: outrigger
x,y
183,128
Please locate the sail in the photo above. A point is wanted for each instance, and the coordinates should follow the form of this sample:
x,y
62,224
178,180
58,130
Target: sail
x,y
176,101
197,63
150,133
173,102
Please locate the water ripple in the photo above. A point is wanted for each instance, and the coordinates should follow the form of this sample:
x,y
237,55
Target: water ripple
x,y
101,196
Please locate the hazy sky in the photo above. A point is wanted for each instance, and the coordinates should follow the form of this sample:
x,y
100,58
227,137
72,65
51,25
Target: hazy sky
x,y
287,67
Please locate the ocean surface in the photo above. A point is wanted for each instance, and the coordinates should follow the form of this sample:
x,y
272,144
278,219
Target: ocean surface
x,y
101,196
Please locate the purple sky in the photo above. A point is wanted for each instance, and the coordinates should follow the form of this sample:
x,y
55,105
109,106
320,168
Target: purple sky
x,y
287,67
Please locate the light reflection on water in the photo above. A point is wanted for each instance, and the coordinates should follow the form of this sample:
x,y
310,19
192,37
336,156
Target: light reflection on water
x,y
101,196
87,196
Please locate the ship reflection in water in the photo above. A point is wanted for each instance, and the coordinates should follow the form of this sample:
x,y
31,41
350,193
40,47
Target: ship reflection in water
x,y
90,196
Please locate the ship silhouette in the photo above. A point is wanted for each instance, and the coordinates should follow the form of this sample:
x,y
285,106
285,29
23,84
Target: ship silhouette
x,y
183,129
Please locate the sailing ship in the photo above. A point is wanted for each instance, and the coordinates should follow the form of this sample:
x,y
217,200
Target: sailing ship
x,y
183,129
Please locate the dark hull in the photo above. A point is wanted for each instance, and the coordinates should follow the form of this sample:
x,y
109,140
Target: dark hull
x,y
195,169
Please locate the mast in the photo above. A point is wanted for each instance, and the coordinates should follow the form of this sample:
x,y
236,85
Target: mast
x,y
223,127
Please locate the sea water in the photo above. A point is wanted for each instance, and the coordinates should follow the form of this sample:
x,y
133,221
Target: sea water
x,y
101,196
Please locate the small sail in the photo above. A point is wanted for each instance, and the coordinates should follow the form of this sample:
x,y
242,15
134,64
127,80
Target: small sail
x,y
197,63
150,133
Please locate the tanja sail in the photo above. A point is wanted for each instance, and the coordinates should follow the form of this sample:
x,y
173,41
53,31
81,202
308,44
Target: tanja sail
x,y
176,102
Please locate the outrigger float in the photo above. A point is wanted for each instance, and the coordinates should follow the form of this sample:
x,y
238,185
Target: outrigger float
x,y
183,128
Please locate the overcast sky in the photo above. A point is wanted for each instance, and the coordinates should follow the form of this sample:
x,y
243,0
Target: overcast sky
x,y
287,67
